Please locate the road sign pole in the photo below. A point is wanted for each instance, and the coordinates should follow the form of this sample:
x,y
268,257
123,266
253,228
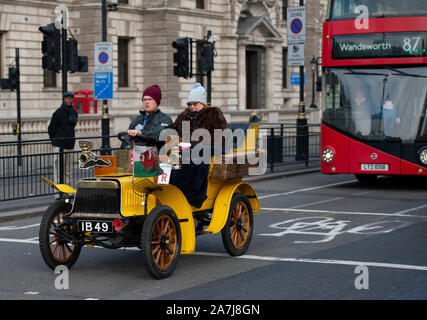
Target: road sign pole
x,y
18,106
64,52
302,128
105,122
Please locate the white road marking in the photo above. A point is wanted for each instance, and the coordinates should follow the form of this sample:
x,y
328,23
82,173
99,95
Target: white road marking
x,y
8,228
316,202
320,261
412,209
280,259
327,228
32,239
307,189
18,240
344,212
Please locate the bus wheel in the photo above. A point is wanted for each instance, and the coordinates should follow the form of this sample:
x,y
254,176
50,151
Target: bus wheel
x,y
161,242
366,177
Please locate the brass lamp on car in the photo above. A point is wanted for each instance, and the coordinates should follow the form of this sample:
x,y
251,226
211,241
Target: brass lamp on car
x,y
86,154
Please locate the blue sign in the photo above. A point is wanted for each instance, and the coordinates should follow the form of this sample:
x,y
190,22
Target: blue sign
x,y
294,79
103,85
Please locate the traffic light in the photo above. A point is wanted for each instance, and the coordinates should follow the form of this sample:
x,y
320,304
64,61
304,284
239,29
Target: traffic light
x,y
11,83
51,47
206,61
181,58
74,62
71,57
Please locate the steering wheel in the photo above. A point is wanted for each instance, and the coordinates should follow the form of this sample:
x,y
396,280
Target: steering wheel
x,y
126,138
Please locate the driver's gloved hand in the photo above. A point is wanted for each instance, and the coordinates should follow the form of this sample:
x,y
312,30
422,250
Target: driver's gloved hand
x,y
126,141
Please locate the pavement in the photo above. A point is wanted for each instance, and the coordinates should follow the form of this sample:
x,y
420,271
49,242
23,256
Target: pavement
x,y
32,207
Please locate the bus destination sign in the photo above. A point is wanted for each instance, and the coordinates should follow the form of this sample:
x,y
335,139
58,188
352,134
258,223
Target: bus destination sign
x,y
380,45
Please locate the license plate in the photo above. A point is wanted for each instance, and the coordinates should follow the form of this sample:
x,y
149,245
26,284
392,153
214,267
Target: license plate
x,y
95,226
374,167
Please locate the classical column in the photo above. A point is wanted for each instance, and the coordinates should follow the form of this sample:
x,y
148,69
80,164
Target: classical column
x,y
269,77
241,68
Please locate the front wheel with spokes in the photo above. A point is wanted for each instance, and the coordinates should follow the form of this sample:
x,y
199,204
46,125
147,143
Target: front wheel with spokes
x,y
237,232
161,242
55,248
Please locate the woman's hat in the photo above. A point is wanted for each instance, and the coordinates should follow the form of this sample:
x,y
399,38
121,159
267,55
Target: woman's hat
x,y
154,92
197,94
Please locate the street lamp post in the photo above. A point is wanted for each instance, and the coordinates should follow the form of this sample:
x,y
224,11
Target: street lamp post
x,y
105,121
302,128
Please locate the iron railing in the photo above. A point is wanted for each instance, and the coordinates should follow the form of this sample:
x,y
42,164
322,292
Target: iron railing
x,y
22,164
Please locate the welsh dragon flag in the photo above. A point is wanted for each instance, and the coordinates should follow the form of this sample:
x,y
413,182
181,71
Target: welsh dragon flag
x,y
145,162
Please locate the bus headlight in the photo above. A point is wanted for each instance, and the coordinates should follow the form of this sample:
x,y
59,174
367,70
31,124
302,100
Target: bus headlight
x,y
423,155
328,155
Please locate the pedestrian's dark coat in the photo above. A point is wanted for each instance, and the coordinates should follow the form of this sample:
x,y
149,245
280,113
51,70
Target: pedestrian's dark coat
x,y
61,127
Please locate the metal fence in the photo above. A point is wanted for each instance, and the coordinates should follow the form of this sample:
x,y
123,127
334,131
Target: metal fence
x,y
280,140
23,164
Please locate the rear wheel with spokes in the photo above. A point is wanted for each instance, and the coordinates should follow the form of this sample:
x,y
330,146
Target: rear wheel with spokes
x,y
237,232
55,248
161,242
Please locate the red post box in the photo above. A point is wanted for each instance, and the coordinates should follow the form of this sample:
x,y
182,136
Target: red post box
x,y
84,102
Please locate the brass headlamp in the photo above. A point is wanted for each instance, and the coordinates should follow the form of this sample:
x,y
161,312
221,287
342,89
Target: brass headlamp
x,y
85,156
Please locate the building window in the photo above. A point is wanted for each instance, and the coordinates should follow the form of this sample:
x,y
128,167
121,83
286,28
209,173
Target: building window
x,y
123,1
284,9
123,62
200,4
49,78
284,68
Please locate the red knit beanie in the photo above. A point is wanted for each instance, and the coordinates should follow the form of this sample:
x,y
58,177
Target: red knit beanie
x,y
154,92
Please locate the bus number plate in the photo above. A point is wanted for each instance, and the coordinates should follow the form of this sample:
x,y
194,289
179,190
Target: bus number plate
x,y
374,167
95,226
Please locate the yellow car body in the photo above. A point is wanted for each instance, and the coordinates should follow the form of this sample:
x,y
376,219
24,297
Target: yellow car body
x,y
140,196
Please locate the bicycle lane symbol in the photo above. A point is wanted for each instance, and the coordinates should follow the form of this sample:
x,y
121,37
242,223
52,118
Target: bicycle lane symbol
x,y
328,228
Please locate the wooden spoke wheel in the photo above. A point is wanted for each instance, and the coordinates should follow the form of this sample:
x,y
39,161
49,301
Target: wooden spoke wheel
x,y
55,248
237,232
161,242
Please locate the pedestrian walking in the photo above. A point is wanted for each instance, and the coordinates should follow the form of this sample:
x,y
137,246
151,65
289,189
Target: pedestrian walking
x,y
62,135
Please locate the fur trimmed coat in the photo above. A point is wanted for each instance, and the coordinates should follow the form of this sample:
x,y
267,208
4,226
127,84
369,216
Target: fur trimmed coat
x,y
192,179
209,118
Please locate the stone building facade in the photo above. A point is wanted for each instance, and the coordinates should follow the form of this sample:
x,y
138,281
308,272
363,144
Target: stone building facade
x,y
250,66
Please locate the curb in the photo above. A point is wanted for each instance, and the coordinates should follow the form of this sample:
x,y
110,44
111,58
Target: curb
x,y
279,175
22,214
38,211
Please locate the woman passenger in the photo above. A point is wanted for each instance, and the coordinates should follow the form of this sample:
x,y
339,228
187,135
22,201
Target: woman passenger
x,y
192,178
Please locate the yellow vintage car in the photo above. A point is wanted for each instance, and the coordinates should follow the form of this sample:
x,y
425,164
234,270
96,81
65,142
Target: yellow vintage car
x,y
114,209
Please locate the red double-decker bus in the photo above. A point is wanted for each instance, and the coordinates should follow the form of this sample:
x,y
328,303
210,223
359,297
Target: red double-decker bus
x,y
374,63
